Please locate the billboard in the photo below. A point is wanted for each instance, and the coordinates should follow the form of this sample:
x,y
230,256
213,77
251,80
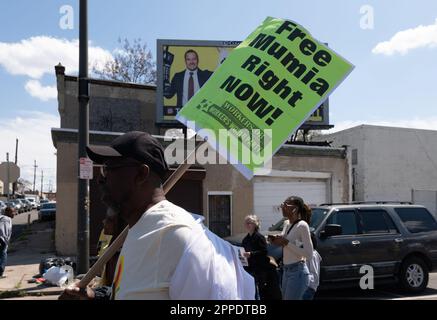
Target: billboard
x,y
184,66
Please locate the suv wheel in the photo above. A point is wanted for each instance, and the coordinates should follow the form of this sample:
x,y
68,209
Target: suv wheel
x,y
414,275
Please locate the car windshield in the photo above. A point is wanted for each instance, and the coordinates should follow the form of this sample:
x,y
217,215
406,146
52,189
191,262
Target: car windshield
x,y
318,214
31,200
49,206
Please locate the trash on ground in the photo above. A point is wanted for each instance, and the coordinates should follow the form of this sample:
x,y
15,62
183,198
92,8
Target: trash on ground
x,y
59,276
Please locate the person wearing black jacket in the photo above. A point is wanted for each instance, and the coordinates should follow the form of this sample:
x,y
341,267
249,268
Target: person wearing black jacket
x,y
260,268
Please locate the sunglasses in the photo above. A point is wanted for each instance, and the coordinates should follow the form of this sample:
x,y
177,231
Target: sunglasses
x,y
284,204
104,169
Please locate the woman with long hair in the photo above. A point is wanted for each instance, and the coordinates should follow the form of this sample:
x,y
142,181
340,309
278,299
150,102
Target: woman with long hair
x,y
297,248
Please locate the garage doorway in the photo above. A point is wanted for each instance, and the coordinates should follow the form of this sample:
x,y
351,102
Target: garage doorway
x,y
269,193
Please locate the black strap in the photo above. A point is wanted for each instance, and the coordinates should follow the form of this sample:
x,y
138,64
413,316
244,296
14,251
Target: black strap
x,y
293,226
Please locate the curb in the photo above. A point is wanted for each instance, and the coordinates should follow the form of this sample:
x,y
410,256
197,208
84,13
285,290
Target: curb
x,y
23,293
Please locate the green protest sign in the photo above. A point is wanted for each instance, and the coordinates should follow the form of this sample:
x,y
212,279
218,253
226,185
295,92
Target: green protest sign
x,y
263,92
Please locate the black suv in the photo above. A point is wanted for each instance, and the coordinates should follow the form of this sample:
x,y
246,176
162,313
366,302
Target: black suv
x,y
398,240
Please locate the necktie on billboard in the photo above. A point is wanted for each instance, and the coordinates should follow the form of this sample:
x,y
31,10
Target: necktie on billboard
x,y
190,86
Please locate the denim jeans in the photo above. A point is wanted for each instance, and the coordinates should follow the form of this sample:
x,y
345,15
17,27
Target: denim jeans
x,y
309,294
295,281
3,257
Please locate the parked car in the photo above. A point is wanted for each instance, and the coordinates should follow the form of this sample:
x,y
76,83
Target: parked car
x,y
33,203
41,202
26,205
47,211
398,240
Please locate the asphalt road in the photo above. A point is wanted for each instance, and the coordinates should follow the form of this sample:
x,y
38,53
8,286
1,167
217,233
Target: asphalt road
x,y
19,223
381,293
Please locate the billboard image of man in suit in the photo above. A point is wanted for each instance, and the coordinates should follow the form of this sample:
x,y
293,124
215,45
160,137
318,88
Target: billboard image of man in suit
x,y
187,82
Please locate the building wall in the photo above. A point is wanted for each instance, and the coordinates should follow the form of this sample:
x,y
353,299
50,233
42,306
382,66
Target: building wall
x,y
66,206
392,161
356,141
224,177
113,107
227,178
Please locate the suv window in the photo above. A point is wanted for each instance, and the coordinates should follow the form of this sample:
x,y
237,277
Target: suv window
x,y
317,217
417,219
376,221
346,219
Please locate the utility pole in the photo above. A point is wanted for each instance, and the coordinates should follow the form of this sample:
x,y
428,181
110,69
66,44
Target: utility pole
x,y
16,150
34,175
14,185
42,180
7,175
83,184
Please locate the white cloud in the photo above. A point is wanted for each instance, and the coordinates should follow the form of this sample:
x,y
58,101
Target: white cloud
x,y
417,123
406,40
33,130
45,93
38,55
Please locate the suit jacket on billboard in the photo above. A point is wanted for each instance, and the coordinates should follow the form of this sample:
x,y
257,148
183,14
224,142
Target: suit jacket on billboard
x,y
177,84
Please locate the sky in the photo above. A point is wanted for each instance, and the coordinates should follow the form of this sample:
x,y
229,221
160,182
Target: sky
x,y
392,43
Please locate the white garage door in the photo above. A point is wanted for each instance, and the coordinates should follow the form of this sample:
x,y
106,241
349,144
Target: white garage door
x,y
269,193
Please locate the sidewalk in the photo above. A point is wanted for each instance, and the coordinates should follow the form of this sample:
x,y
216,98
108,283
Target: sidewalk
x,y
24,256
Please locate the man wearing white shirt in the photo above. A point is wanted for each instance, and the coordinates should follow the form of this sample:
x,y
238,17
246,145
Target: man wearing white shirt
x,y
168,253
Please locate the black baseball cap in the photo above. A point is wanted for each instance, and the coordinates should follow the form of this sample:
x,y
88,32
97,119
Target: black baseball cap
x,y
137,145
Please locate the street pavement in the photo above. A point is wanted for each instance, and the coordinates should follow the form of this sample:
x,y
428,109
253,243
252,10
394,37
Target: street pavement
x,y
388,292
19,223
29,244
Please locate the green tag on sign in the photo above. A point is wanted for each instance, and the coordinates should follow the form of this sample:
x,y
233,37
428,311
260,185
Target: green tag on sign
x,y
263,92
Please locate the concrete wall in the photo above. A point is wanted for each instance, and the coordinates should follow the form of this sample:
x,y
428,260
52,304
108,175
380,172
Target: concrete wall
x,y
354,139
113,107
392,161
66,215
224,177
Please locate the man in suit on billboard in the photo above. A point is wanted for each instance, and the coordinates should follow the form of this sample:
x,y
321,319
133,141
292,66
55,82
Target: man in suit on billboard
x,y
186,83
